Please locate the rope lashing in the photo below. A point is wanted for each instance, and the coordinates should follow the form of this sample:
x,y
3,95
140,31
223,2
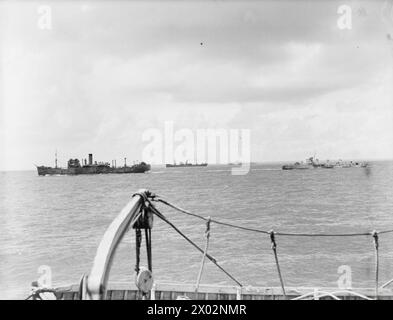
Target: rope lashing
x,y
145,195
144,220
148,249
207,236
138,242
376,245
162,217
274,248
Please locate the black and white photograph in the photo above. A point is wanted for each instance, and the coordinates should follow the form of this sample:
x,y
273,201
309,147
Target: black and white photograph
x,y
201,150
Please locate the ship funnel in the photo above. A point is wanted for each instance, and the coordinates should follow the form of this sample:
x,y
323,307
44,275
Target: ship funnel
x,y
90,159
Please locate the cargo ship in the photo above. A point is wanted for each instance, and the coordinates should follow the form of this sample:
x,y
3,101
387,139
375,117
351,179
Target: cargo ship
x,y
74,167
185,164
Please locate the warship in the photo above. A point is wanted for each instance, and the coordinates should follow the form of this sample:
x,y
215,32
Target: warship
x,y
312,163
309,164
75,167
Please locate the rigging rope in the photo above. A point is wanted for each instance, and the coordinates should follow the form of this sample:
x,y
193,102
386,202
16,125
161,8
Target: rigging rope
x,y
207,235
265,231
143,220
376,245
385,231
205,219
274,248
148,248
272,234
138,241
162,217
323,234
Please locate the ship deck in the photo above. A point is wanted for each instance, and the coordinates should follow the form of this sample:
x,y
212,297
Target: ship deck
x,y
174,291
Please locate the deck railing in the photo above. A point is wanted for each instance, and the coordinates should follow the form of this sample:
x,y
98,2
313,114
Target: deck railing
x,y
94,285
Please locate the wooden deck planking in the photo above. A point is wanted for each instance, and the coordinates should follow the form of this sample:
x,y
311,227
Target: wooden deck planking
x,y
171,291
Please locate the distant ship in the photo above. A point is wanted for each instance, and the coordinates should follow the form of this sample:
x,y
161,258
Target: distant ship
x,y
351,164
296,166
312,163
185,164
74,167
309,164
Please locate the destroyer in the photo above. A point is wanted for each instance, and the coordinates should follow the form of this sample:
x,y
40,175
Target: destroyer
x,y
312,163
74,167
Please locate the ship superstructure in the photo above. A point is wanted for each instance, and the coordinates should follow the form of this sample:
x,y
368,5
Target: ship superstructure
x,y
312,163
75,166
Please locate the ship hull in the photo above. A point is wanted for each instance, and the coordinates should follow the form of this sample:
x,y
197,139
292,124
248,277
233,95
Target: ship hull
x,y
185,165
44,171
296,167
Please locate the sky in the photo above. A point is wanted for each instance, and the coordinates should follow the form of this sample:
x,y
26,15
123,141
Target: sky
x,y
105,72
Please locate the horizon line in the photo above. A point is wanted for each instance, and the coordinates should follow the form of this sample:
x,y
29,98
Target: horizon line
x,y
251,162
